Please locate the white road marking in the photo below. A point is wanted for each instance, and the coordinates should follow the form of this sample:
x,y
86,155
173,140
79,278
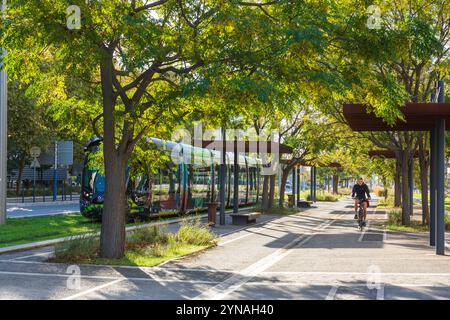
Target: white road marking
x,y
113,267
62,275
251,232
332,292
380,292
363,232
409,274
267,222
247,227
226,287
92,289
356,285
32,255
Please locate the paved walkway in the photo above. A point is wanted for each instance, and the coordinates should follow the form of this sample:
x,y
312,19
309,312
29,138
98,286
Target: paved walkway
x,y
316,254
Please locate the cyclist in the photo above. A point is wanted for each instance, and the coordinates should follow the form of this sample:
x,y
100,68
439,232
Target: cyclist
x,y
359,192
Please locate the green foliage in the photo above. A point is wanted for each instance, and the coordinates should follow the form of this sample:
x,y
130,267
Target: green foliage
x,y
78,248
194,233
395,217
324,197
25,230
146,246
388,203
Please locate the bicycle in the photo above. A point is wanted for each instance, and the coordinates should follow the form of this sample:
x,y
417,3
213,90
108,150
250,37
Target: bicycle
x,y
360,214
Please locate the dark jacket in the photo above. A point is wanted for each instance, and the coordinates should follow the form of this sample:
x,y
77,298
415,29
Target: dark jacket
x,y
360,191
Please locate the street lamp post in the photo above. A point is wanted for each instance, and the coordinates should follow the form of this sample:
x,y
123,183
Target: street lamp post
x,y
3,130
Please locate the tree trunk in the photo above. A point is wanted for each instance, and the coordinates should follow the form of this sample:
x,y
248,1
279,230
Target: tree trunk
x,y
271,191
423,167
284,178
20,174
406,204
149,200
335,183
265,194
385,187
112,238
397,184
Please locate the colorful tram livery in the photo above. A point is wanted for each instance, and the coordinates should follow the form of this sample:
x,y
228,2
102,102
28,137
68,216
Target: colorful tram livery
x,y
187,182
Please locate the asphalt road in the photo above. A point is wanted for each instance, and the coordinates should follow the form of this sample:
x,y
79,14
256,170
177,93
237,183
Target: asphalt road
x,y
18,210
317,254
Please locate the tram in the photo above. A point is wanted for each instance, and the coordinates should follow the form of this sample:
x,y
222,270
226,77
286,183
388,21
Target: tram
x,y
185,183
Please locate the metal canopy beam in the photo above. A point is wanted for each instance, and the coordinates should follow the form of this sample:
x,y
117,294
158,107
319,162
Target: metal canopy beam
x,y
433,158
440,187
236,180
418,117
222,181
433,117
294,186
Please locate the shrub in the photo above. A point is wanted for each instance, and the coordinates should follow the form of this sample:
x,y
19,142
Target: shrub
x,y
344,191
395,217
145,236
194,233
324,197
149,242
386,203
80,248
447,222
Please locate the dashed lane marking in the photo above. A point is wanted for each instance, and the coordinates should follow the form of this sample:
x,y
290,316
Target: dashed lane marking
x,y
332,292
80,294
234,282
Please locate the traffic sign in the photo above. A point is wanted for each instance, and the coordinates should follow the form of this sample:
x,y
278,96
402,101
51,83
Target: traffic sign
x,y
35,152
35,163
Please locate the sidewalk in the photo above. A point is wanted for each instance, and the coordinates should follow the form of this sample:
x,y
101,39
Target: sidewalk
x,y
316,254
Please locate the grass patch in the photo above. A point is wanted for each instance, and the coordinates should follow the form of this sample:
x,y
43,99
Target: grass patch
x,y
386,203
394,223
324,197
25,230
144,247
277,210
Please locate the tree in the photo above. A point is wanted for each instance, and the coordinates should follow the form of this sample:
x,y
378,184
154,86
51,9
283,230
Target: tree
x,y
144,56
28,126
395,64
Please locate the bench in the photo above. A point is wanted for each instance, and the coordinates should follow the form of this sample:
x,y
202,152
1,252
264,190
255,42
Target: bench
x,y
244,218
304,204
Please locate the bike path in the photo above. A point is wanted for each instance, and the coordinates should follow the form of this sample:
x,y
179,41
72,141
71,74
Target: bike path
x,y
316,254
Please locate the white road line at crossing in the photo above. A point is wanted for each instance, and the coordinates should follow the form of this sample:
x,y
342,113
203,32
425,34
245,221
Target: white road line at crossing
x,y
226,287
408,274
380,292
251,232
62,275
353,285
32,255
80,294
363,233
332,292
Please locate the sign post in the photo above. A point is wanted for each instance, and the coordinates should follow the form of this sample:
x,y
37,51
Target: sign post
x,y
55,173
3,129
35,152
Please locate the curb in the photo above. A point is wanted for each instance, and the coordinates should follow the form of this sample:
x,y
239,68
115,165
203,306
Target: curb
x,y
45,243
